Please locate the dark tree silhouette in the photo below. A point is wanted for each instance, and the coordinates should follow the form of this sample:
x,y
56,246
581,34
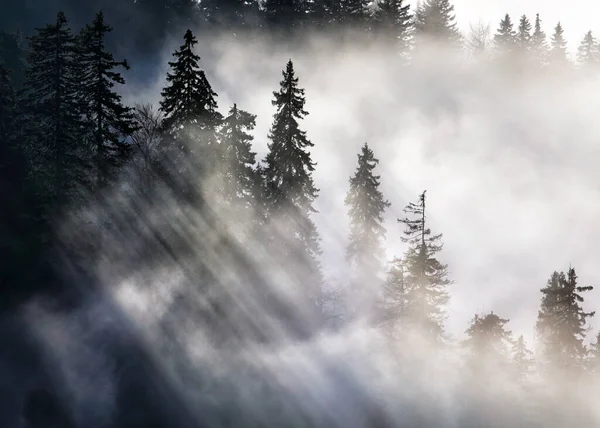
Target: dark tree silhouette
x,y
366,207
109,121
425,278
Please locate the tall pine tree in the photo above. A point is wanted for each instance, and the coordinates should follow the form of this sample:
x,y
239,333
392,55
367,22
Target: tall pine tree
x,y
291,192
239,178
539,44
435,20
425,276
366,207
110,122
505,38
558,48
190,121
588,54
561,323
393,22
522,360
53,118
523,36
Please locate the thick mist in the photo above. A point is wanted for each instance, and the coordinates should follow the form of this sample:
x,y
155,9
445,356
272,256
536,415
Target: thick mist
x,y
509,163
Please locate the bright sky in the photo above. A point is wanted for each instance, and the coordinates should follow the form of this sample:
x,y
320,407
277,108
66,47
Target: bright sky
x,y
576,16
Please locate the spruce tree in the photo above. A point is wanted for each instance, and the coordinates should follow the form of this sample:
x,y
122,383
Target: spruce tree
x,y
561,323
188,99
522,359
239,178
425,278
435,20
190,121
109,121
539,44
366,206
50,99
588,55
393,21
505,38
523,36
290,192
489,342
558,47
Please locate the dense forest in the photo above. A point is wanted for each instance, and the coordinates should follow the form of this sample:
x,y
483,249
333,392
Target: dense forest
x,y
192,267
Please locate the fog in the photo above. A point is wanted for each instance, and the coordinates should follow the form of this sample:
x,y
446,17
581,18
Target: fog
x,y
509,162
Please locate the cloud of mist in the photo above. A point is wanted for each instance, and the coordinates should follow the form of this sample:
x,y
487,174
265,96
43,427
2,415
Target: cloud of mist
x,y
509,165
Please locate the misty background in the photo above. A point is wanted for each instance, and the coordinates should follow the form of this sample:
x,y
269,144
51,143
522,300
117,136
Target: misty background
x,y
508,159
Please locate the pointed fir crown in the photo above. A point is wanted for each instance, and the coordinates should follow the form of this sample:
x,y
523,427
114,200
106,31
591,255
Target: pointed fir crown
x,y
289,164
558,44
560,307
436,18
51,57
505,36
524,32
236,141
99,77
539,36
366,207
189,97
364,197
239,176
587,52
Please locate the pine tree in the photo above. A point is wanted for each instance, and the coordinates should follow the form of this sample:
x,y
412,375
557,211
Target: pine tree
x,y
435,20
489,342
523,36
110,122
290,190
51,102
393,21
190,121
506,37
539,44
561,324
366,206
588,55
522,359
189,98
425,278
558,47
238,174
